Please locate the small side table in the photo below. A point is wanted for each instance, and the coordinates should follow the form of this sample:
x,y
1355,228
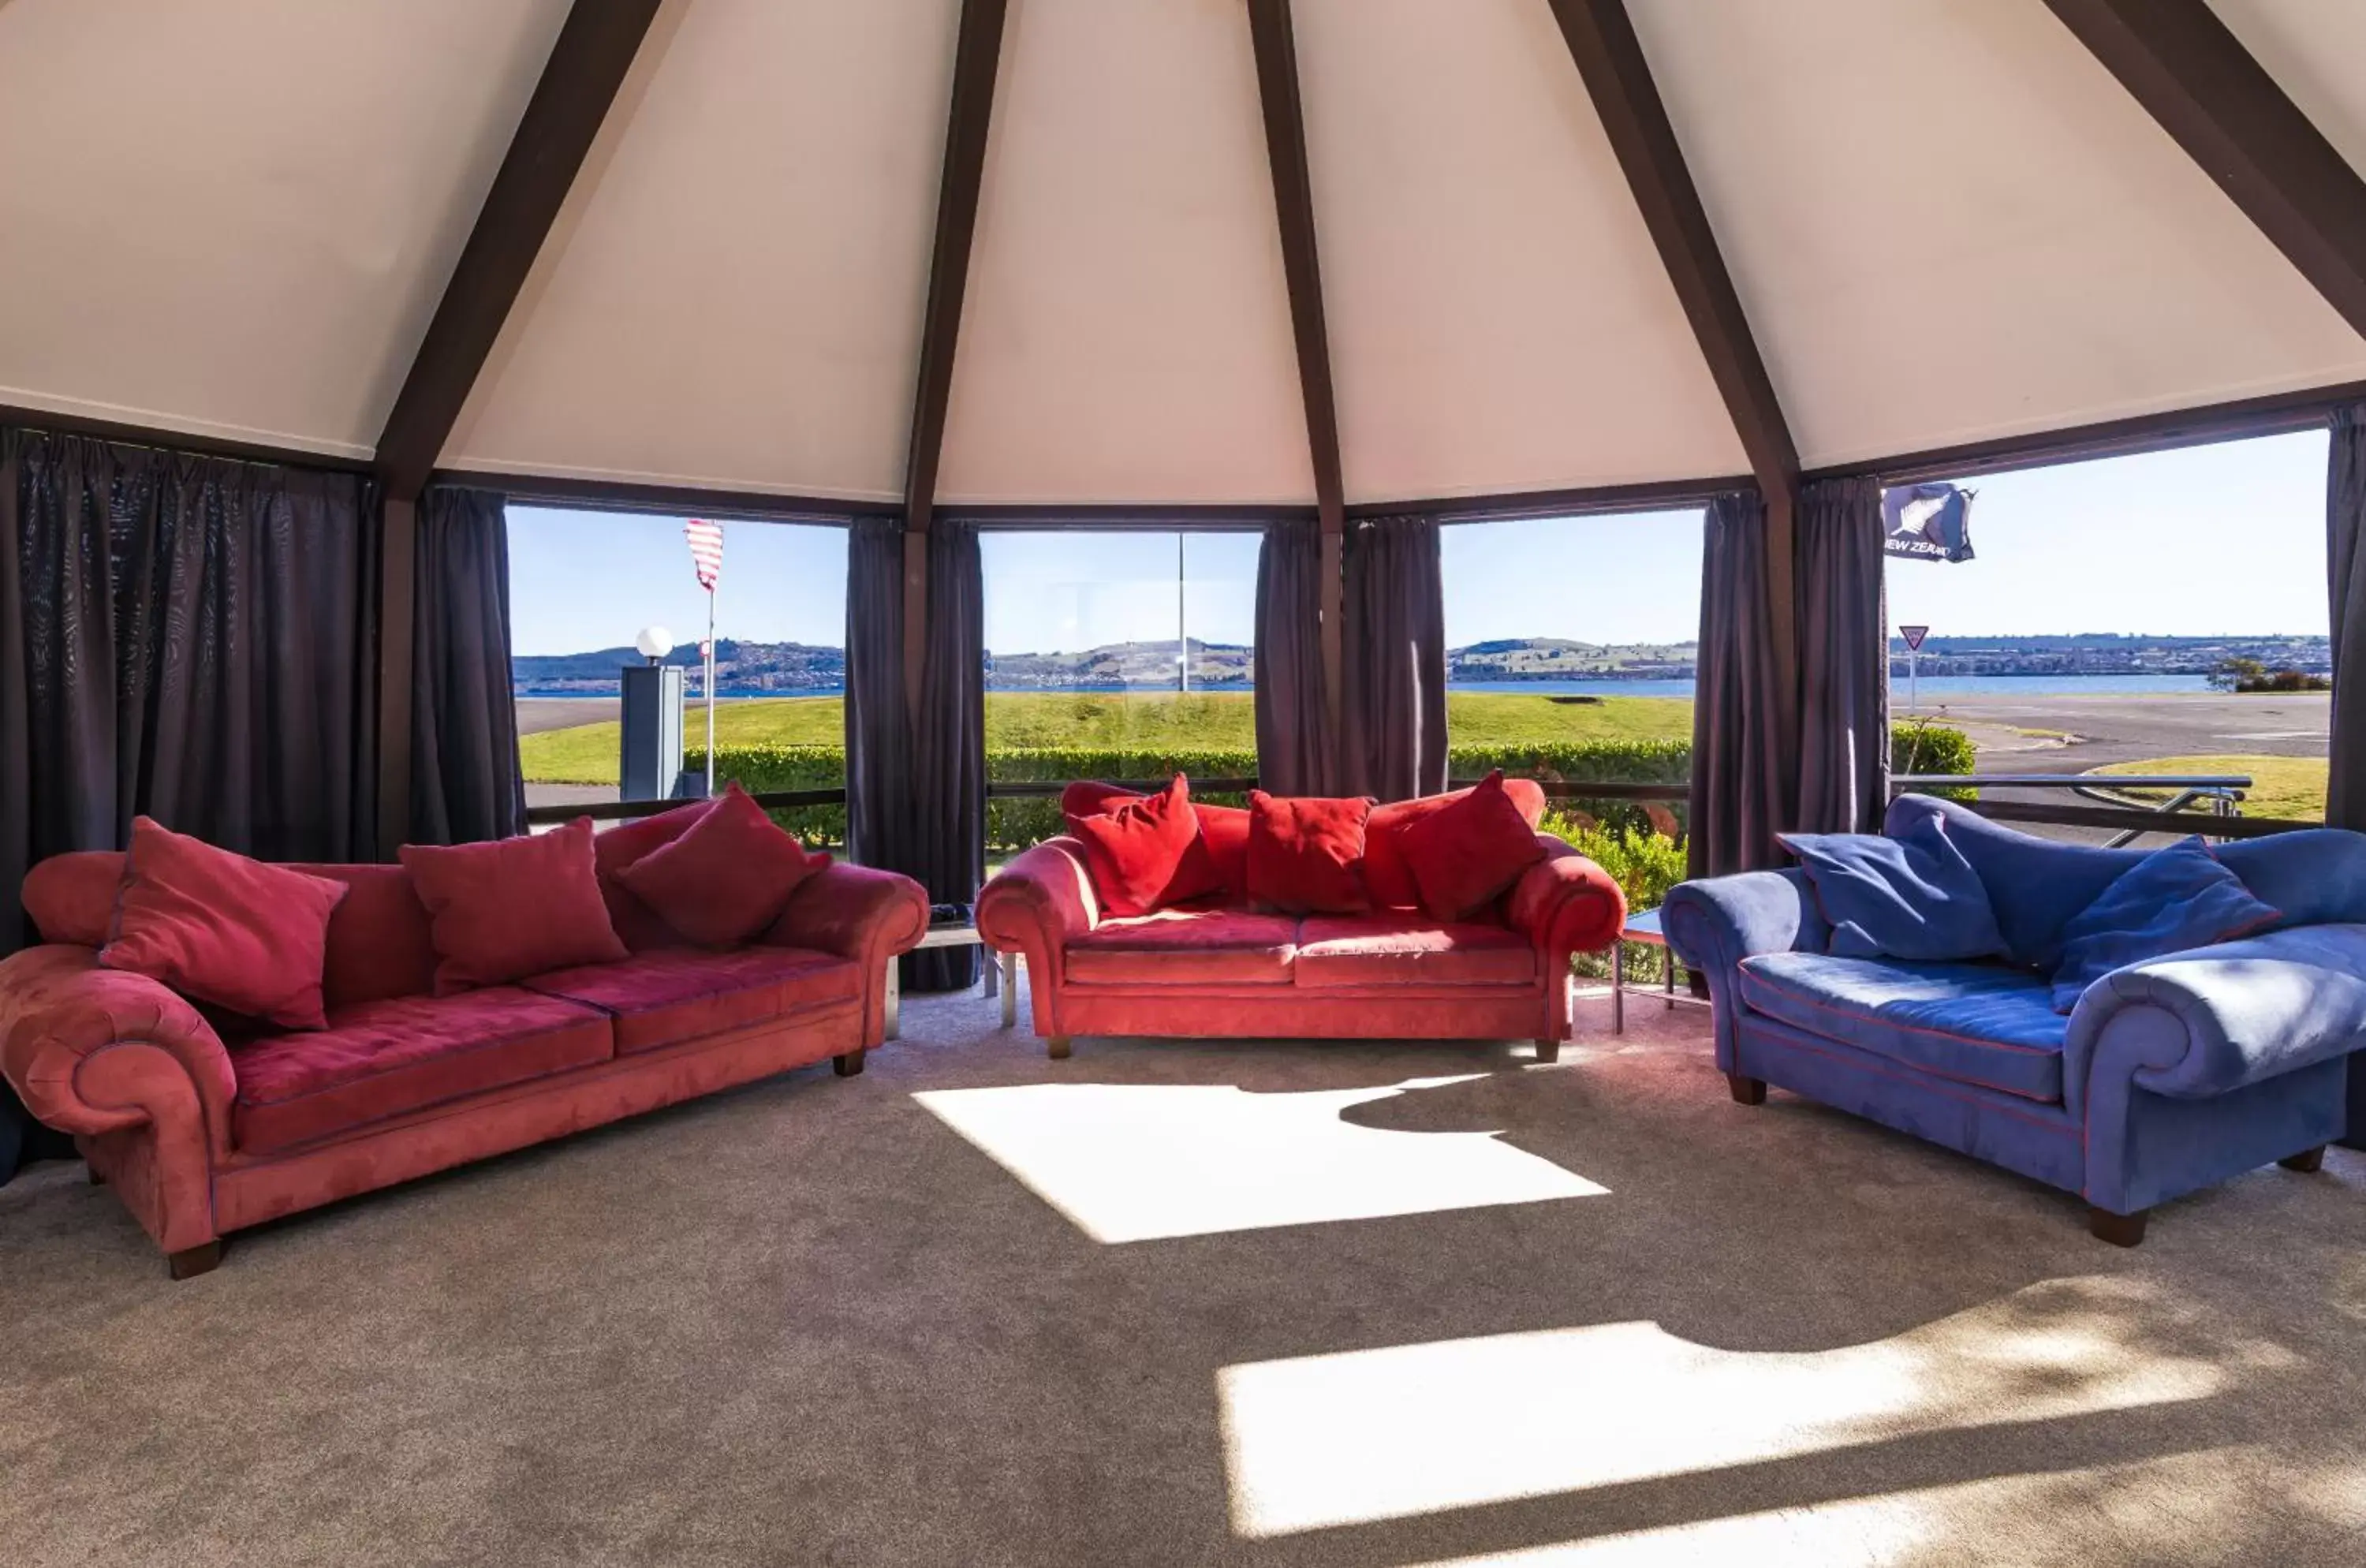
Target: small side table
x,y
1644,931
1002,974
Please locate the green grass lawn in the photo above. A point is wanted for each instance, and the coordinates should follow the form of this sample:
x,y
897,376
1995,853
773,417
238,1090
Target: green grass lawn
x,y
2288,787
587,753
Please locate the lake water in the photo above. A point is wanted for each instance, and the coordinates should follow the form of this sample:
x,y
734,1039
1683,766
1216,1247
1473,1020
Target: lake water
x,y
1933,687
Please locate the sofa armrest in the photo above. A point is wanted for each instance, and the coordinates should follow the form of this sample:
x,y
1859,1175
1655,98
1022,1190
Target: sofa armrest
x,y
1566,903
1714,923
1035,907
2205,1022
857,912
92,1050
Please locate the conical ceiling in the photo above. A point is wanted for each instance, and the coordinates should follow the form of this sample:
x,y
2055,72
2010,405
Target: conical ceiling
x,y
1944,219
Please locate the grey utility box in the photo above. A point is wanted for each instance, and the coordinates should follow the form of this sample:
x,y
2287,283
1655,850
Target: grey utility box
x,y
650,765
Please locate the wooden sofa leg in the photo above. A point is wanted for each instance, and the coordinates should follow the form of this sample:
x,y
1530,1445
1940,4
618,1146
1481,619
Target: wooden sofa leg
x,y
847,1065
97,1180
2308,1159
1547,1050
1746,1090
1056,1047
190,1262
2120,1230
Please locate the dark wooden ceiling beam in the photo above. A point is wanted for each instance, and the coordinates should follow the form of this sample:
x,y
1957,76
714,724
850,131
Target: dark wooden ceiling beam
x,y
1602,42
2198,82
578,83
1276,45
977,57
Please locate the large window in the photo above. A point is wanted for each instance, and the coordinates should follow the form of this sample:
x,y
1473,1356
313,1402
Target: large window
x,y
585,586
2158,614
1115,655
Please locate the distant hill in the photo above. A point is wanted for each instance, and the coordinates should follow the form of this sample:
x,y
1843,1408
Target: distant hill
x,y
784,667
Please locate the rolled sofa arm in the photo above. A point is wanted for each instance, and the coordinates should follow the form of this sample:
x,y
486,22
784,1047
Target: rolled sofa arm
x,y
1035,907
857,912
2201,1024
1566,903
1716,922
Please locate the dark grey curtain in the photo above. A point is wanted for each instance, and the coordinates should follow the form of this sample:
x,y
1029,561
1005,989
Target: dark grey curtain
x,y
1292,729
949,749
1392,720
1736,789
465,782
2345,560
1844,620
878,751
190,637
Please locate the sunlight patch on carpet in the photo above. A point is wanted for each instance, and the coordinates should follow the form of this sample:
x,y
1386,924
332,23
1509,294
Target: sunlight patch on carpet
x,y
1321,1441
1138,1162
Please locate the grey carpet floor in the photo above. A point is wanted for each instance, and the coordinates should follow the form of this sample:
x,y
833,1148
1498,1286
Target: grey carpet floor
x,y
1276,1305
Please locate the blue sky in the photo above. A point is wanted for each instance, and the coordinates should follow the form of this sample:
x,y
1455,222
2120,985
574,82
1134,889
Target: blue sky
x,y
2228,539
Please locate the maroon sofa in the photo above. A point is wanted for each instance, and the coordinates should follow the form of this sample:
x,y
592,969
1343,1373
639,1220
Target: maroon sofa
x,y
1224,970
200,1138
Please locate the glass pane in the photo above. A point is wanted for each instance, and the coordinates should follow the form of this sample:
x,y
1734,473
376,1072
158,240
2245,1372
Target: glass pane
x,y
1084,632
584,585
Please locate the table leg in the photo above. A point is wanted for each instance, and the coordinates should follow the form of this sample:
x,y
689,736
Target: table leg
x,y
1668,967
1009,964
1617,988
895,998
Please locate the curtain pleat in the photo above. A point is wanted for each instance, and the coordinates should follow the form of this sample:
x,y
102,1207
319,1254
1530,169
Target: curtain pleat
x,y
466,781
1292,733
2345,560
1393,655
949,749
191,638
878,754
1736,785
1844,659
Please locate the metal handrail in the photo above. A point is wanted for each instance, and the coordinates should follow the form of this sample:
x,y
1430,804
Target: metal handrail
x,y
2078,782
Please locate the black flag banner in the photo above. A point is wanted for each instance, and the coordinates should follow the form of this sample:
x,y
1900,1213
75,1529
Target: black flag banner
x,y
1928,522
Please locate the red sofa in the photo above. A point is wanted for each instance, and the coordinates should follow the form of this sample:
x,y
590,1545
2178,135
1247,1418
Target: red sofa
x,y
1221,969
201,1139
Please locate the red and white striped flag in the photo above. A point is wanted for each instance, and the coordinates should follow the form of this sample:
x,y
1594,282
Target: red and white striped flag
x,y
705,550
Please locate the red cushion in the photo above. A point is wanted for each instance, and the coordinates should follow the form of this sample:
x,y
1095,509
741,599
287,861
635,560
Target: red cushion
x,y
219,927
661,998
1398,948
1183,947
640,927
1386,875
380,944
1223,829
1305,852
72,896
389,1058
1145,854
1463,856
726,877
512,907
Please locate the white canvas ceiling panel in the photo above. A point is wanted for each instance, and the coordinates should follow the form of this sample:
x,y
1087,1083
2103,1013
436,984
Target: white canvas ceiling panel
x,y
235,217
1499,317
733,296
2316,52
1947,222
1127,333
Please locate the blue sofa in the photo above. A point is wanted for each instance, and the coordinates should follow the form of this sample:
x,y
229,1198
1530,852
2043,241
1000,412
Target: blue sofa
x,y
2170,1075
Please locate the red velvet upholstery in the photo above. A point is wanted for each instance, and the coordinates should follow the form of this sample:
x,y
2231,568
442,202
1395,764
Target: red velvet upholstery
x,y
381,1059
859,913
512,907
1386,875
72,896
1224,829
638,926
1404,948
1466,853
1306,854
1186,947
1145,853
724,877
662,998
221,928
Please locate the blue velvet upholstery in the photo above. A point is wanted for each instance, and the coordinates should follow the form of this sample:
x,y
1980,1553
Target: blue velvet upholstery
x,y
2172,1074
2171,901
1976,1024
1910,895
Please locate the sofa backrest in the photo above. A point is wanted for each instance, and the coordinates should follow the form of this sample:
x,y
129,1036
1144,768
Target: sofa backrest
x,y
2313,877
378,937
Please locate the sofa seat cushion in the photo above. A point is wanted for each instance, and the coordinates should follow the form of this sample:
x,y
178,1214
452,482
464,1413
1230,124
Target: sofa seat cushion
x,y
675,994
1186,947
1401,948
404,1053
1976,1024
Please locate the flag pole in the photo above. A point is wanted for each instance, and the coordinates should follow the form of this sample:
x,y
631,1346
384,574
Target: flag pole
x,y
710,693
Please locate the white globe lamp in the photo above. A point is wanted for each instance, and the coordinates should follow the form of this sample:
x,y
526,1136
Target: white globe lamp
x,y
655,643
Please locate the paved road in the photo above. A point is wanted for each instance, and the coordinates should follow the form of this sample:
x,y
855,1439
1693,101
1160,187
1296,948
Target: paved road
x,y
2130,728
537,714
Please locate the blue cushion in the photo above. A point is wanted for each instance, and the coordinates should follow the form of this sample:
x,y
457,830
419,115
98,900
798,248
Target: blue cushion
x,y
1976,1024
2171,901
1910,895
